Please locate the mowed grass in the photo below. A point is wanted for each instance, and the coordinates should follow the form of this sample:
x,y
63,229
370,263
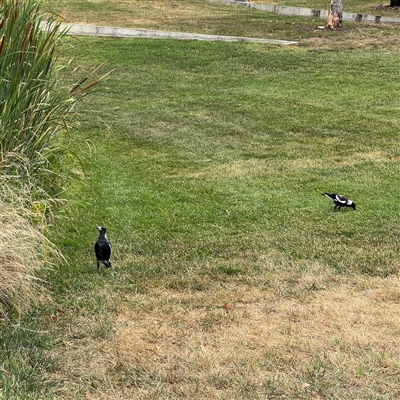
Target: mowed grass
x,y
232,276
204,16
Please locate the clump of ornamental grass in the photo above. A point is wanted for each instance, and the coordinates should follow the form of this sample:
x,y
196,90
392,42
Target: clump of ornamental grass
x,y
33,109
32,106
24,250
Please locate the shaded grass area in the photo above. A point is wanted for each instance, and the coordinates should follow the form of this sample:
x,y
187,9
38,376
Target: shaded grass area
x,y
233,276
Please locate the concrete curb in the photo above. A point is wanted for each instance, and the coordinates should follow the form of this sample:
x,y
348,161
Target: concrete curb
x,y
310,12
90,30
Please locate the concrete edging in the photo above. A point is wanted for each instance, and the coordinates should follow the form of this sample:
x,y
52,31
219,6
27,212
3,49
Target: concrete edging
x,y
91,30
310,12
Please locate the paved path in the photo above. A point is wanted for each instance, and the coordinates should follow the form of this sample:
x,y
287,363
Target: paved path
x,y
91,30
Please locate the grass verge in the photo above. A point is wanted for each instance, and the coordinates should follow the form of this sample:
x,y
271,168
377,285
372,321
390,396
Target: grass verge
x,y
201,16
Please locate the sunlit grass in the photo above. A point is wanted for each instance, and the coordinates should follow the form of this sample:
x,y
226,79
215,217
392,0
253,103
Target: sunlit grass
x,y
232,276
206,162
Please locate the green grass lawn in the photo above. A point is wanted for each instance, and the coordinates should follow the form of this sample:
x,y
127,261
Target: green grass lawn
x,y
233,277
213,139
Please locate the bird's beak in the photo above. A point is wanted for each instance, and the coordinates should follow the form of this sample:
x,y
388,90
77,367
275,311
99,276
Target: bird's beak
x,y
98,227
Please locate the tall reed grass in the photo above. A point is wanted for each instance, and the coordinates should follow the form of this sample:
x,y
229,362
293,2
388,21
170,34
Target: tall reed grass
x,y
33,109
32,105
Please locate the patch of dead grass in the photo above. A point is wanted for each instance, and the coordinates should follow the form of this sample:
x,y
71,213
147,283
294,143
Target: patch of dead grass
x,y
257,167
140,14
247,342
365,37
356,159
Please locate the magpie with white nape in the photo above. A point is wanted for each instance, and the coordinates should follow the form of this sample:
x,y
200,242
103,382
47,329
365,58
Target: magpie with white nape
x,y
340,200
102,248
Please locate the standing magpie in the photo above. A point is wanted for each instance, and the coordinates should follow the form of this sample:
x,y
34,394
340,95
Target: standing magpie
x,y
102,248
340,200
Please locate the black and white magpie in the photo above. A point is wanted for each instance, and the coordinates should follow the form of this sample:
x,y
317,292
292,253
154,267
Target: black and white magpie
x,y
102,248
340,200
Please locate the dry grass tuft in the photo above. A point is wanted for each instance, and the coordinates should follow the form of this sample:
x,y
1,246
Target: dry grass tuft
x,y
23,251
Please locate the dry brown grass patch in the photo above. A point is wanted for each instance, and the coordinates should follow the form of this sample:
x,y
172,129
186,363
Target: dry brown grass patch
x,y
357,159
141,14
247,342
254,167
366,37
